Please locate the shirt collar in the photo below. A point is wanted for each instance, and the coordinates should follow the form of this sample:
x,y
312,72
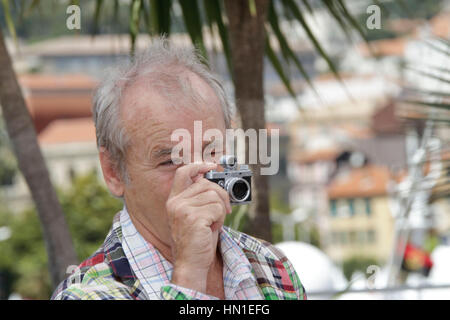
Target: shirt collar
x,y
154,271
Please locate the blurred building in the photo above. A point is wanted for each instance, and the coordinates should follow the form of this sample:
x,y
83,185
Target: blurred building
x,y
360,220
52,97
344,127
60,107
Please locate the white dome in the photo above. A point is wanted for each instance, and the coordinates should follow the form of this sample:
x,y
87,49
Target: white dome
x,y
314,268
439,274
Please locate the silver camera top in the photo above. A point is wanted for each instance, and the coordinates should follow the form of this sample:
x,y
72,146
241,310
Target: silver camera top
x,y
228,162
231,169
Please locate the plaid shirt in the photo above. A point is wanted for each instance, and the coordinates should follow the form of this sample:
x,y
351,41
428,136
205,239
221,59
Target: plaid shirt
x,y
116,271
155,272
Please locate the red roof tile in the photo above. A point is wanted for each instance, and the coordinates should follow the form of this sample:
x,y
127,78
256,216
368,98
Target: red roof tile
x,y
68,130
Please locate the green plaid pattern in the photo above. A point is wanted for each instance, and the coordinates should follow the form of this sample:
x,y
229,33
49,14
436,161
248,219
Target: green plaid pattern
x,y
107,274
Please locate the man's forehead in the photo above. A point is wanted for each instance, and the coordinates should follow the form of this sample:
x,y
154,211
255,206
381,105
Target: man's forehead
x,y
176,88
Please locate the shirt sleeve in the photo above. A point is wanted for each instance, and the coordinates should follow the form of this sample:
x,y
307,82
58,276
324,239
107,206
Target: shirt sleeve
x,y
175,292
298,286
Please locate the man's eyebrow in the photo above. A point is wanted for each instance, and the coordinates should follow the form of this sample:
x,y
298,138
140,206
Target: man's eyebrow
x,y
159,153
215,143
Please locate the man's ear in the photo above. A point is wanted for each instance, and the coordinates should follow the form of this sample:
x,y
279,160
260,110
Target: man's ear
x,y
111,174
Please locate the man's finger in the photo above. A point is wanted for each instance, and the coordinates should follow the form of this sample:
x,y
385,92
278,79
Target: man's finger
x,y
203,185
185,175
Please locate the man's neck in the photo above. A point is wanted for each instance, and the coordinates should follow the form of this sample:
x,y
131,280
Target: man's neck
x,y
215,273
152,238
164,248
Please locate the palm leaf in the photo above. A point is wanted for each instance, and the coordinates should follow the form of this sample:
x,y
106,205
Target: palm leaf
x,y
214,16
116,10
428,74
352,21
404,7
252,7
193,23
9,20
278,67
308,7
383,8
160,17
26,11
338,17
135,14
284,46
429,92
445,106
292,6
433,46
98,8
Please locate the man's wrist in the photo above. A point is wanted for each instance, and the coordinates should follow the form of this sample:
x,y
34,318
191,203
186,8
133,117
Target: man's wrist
x,y
191,278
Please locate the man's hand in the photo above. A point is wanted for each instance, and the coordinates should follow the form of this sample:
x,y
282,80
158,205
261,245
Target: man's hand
x,y
196,210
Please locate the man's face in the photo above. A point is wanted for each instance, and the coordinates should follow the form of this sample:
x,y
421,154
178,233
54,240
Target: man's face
x,y
149,121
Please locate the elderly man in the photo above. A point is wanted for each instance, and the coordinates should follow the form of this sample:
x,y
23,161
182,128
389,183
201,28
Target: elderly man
x,y
168,241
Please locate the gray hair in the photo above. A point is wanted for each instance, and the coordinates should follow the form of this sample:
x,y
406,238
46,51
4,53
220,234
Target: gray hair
x,y
162,62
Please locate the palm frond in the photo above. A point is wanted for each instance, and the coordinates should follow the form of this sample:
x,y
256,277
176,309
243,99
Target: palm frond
x,y
193,24
348,16
160,19
428,74
9,19
286,50
135,16
213,12
278,67
308,7
292,6
438,105
429,93
336,14
98,8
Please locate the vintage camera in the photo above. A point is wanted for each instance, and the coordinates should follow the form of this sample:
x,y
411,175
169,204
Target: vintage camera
x,y
236,180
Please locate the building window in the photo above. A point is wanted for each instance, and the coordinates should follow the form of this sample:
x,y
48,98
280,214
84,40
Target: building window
x,y
334,237
343,209
343,237
368,206
352,236
361,237
371,236
71,173
351,206
333,208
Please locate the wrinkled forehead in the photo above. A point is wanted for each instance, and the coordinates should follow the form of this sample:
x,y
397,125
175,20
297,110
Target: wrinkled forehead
x,y
156,104
169,88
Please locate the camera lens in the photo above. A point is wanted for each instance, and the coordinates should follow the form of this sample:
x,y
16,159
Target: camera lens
x,y
238,189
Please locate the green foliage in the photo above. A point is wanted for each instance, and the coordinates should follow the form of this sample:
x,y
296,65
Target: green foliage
x,y
89,210
305,232
357,263
24,256
8,165
238,219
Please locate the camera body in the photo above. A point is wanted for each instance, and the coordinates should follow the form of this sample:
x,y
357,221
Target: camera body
x,y
236,180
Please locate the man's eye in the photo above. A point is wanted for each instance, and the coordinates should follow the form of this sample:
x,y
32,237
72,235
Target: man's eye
x,y
166,163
